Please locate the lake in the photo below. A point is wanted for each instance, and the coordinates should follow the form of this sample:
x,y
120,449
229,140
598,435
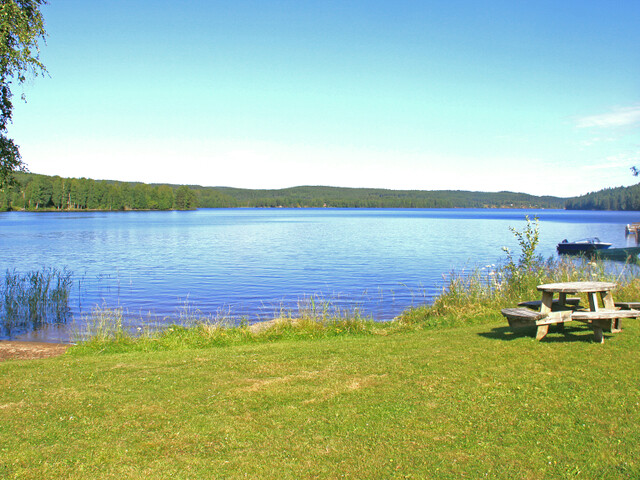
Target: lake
x,y
251,263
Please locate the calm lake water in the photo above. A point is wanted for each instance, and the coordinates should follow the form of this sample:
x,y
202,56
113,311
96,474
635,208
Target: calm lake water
x,y
252,262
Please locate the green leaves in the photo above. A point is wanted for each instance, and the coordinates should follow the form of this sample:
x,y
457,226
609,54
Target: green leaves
x,y
21,28
528,240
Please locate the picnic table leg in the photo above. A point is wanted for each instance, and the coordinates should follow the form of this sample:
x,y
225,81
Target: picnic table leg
x,y
607,301
593,301
542,331
562,300
598,327
598,337
545,307
547,302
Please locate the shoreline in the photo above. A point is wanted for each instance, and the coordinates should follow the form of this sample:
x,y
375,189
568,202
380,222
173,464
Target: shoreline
x,y
33,349
25,350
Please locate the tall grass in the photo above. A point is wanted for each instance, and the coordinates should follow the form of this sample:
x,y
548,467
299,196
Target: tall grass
x,y
107,330
35,298
470,298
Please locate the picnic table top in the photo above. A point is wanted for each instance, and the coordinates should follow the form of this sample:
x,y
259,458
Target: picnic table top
x,y
575,287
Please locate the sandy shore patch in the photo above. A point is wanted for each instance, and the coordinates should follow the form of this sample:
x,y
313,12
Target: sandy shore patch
x,y
30,350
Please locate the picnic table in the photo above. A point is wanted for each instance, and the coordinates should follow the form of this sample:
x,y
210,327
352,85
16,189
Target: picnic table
x,y
602,312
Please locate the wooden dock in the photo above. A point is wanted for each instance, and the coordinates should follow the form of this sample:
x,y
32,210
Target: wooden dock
x,y
632,229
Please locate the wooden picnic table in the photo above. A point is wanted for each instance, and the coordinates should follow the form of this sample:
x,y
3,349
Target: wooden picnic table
x,y
602,313
598,316
592,289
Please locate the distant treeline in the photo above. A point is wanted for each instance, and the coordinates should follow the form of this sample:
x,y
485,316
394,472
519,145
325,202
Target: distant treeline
x,y
41,192
337,197
38,192
620,198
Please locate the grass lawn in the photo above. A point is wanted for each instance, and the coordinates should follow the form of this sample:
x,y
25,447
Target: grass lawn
x,y
460,402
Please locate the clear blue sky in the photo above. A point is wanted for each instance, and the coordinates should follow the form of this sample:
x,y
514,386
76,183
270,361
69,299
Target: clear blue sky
x,y
540,97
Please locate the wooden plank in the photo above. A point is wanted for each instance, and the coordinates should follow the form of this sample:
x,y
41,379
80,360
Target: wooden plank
x,y
556,317
598,335
607,300
593,301
575,301
522,314
542,332
523,317
628,305
547,302
605,315
575,287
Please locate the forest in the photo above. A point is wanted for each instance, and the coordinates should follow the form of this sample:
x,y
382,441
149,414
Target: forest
x,y
336,197
40,192
620,198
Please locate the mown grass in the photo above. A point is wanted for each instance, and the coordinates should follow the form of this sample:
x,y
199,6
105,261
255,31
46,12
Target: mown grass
x,y
467,402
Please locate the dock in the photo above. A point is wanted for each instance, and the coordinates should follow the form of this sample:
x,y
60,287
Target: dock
x,y
632,229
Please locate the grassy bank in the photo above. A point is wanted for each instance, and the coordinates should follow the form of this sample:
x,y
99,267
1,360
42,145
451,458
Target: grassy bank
x,y
475,401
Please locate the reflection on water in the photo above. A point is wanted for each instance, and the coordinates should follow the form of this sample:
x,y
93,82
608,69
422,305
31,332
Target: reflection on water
x,y
253,263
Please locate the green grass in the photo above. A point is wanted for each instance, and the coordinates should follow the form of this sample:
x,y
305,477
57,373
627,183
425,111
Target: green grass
x,y
473,401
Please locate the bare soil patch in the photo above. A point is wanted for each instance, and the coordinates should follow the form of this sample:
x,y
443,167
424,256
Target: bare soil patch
x,y
30,350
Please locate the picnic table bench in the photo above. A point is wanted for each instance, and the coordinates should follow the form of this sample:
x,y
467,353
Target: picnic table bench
x,y
525,317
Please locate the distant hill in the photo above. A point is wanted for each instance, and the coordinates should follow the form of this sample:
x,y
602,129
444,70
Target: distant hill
x,y
339,197
34,191
620,198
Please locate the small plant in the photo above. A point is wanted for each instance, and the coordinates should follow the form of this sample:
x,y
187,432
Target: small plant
x,y
103,324
528,239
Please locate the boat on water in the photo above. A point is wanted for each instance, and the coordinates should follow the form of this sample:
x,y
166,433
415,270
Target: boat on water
x,y
626,254
582,247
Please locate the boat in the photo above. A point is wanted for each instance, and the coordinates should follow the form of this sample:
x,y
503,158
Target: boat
x,y
582,247
627,254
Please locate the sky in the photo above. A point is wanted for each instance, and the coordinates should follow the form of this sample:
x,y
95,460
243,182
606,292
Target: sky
x,y
539,97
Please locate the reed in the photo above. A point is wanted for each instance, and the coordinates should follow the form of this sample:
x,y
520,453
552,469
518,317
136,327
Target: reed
x,y
34,298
